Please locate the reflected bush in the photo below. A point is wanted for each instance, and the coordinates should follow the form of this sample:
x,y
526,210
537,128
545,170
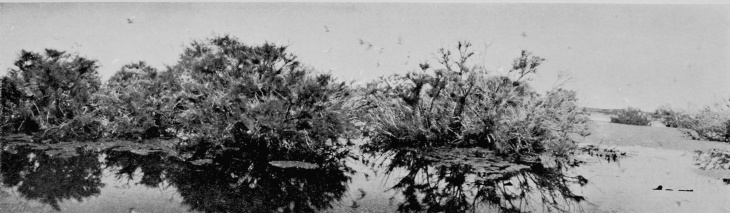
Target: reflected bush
x,y
238,185
52,180
153,166
434,186
225,185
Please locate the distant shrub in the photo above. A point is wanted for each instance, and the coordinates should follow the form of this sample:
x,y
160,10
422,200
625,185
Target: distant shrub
x,y
458,104
710,123
674,118
632,116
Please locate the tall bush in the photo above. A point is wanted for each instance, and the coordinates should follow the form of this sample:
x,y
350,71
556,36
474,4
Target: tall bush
x,y
261,97
50,94
461,104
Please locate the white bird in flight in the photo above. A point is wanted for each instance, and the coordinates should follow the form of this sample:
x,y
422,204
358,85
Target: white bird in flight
x,y
328,50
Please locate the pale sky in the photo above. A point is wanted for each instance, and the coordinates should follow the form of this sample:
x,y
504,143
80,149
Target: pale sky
x,y
618,55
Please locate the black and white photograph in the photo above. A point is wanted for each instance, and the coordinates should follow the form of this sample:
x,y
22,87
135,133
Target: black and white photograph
x,y
363,106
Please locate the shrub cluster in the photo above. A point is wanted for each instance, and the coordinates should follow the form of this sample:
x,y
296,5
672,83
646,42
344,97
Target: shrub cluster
x,y
51,94
632,116
458,104
221,93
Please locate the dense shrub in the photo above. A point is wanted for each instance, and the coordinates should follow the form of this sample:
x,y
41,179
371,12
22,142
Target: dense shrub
x,y
262,95
631,116
50,94
223,93
139,102
459,104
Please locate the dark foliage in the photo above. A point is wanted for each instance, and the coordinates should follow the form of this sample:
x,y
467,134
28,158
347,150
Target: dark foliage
x,y
51,179
480,185
49,94
238,184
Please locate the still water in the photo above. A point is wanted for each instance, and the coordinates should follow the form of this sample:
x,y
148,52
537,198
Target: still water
x,y
114,180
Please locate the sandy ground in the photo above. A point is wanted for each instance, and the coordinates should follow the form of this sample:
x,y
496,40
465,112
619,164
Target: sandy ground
x,y
655,156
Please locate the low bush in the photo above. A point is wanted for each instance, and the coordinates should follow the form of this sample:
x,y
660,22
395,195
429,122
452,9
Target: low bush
x,y
632,116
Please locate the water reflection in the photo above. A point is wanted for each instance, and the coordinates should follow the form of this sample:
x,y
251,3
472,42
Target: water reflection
x,y
454,180
52,179
238,185
480,182
225,184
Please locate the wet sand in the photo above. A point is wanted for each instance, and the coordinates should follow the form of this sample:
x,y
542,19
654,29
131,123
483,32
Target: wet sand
x,y
655,156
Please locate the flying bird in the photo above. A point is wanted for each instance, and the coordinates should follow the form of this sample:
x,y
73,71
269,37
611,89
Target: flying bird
x,y
400,40
328,50
368,44
377,64
524,34
380,50
326,29
130,20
